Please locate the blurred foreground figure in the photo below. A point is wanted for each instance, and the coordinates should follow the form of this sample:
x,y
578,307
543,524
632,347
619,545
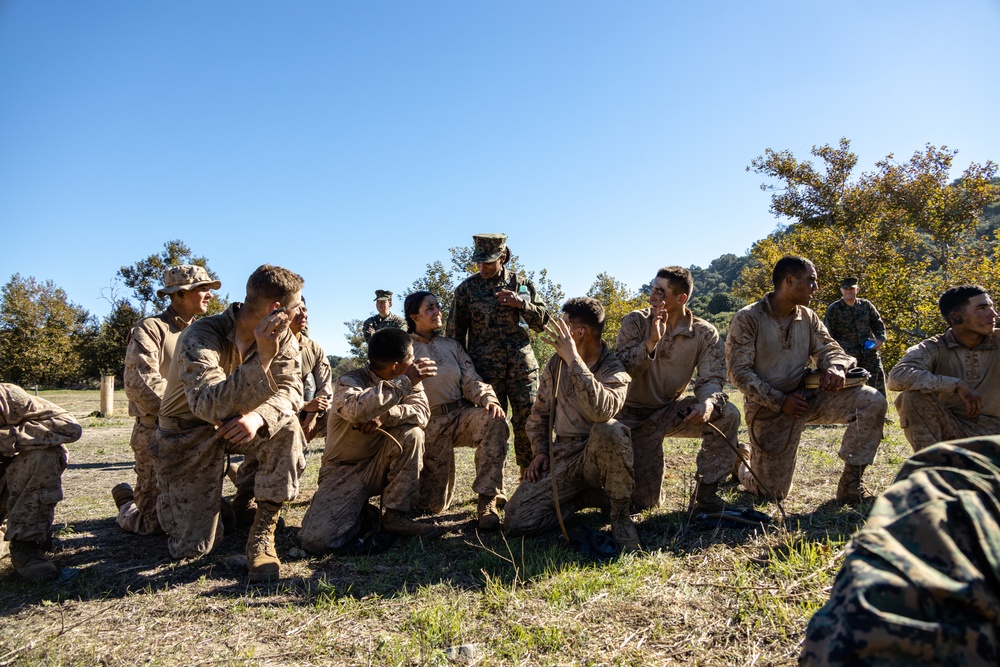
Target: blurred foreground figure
x,y
920,584
33,434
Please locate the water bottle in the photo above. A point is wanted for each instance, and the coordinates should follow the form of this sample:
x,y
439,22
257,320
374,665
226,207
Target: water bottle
x,y
522,294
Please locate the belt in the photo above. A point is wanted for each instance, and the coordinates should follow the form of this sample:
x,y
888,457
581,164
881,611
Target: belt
x,y
570,438
445,408
148,420
178,424
638,411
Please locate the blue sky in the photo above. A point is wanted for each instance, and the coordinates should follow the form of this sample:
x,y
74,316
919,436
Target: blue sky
x,y
355,142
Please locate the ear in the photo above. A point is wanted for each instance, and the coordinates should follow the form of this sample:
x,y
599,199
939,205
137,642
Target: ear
x,y
683,298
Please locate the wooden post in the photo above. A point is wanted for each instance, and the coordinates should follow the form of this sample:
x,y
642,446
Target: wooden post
x,y
107,395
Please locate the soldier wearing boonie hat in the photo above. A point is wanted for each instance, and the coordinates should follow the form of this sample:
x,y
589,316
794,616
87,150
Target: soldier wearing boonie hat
x,y
147,360
383,302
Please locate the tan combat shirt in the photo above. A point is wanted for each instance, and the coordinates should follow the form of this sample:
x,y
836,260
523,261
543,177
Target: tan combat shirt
x,y
150,348
662,377
30,422
359,397
456,375
317,366
586,397
210,380
937,364
767,361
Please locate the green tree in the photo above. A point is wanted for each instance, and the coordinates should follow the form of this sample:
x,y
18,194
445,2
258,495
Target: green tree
x,y
618,301
104,351
41,333
906,230
146,276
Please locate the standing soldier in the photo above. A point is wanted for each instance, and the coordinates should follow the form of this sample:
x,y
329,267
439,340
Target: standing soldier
x,y
33,437
383,302
147,360
857,326
486,318
661,347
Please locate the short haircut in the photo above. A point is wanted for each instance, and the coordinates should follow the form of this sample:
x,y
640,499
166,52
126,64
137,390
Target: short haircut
x,y
271,283
955,299
789,265
387,346
586,311
678,279
411,306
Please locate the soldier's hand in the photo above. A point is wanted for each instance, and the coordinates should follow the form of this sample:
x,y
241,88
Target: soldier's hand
x,y
657,327
832,379
318,404
536,468
795,405
421,368
973,401
371,426
507,298
240,430
494,410
561,338
700,413
268,332
879,344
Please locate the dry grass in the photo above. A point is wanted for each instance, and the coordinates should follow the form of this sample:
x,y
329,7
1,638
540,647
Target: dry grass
x,y
725,597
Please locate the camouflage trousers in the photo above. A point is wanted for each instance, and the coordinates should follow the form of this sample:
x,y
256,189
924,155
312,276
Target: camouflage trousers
x,y
774,436
190,466
518,386
925,421
470,426
139,514
649,427
334,514
871,361
601,461
30,487
920,584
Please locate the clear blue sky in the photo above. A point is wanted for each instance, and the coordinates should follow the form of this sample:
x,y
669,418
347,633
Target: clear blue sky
x,y
355,142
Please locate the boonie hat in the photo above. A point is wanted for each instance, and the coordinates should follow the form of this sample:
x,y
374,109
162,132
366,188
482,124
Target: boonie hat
x,y
186,277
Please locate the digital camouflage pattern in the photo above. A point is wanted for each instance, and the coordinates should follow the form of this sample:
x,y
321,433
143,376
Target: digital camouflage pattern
x,y
851,326
33,437
591,450
920,583
150,348
459,397
654,399
356,465
217,383
499,346
929,408
376,322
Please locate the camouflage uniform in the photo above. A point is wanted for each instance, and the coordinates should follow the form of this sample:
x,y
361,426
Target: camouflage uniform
x,y
920,584
377,322
357,466
926,376
33,434
458,397
654,399
147,360
209,381
851,326
591,449
767,363
499,347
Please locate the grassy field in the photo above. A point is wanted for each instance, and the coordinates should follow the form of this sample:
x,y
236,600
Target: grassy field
x,y
693,597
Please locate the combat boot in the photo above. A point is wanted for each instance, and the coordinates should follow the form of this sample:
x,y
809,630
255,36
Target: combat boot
x,y
850,490
398,522
244,507
707,499
30,562
744,449
489,517
262,558
122,493
622,527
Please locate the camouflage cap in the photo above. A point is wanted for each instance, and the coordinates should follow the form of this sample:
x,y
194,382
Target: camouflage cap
x,y
186,277
383,295
849,282
489,247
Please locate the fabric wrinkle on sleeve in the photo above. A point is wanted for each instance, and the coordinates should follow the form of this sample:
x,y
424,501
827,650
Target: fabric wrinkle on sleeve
x,y
601,400
473,388
144,385
630,344
711,367
824,349
740,357
537,425
914,371
31,422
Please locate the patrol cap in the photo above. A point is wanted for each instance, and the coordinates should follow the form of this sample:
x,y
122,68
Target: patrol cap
x,y
383,295
846,283
489,247
186,277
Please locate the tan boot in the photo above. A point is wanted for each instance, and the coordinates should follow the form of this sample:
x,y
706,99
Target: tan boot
x,y
489,517
262,559
398,522
122,493
850,490
622,527
244,507
31,563
707,498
